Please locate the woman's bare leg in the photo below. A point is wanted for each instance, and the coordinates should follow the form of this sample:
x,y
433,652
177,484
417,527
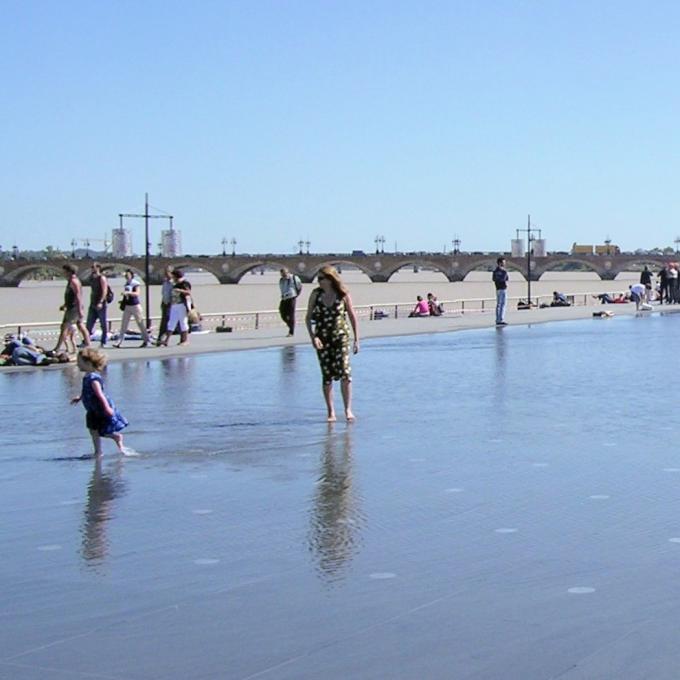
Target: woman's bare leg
x,y
346,387
328,397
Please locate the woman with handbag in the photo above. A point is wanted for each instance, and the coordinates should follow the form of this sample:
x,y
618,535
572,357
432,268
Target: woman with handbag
x,y
179,309
131,307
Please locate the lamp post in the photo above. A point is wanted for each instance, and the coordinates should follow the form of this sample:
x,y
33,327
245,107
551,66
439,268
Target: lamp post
x,y
677,244
74,243
147,245
224,246
233,247
530,240
307,244
87,248
15,251
456,244
376,240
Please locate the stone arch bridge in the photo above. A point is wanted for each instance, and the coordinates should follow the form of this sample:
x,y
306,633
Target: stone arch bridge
x,y
378,268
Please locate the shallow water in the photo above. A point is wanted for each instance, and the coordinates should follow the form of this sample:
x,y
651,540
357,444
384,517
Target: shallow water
x,y
505,506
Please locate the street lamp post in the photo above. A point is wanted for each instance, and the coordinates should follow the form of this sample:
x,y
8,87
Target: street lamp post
x,y
530,240
233,247
15,251
677,244
74,243
224,246
147,246
456,244
307,244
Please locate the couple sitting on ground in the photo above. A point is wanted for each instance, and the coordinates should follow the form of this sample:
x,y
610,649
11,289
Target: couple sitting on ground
x,y
429,307
24,352
558,300
607,299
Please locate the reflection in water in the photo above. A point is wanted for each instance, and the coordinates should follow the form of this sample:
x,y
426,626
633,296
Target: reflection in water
x,y
103,488
288,359
501,348
336,521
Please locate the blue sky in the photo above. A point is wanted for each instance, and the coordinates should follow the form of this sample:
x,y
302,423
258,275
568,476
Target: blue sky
x,y
339,121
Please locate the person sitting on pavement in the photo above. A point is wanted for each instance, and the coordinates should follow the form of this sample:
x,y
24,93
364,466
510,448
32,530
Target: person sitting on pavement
x,y
421,308
559,300
435,307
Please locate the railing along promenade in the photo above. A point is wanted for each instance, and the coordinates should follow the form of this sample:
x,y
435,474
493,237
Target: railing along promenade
x,y
269,318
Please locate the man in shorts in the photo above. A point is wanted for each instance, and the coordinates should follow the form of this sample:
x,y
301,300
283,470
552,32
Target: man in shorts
x,y
72,307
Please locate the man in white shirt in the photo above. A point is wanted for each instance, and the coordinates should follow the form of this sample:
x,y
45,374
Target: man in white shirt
x,y
637,294
290,287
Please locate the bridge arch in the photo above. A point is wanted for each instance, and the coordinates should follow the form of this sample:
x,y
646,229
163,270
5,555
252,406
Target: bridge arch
x,y
16,276
567,264
415,261
488,264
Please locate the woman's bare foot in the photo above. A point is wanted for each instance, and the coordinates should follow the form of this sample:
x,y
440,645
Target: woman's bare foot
x,y
350,416
331,418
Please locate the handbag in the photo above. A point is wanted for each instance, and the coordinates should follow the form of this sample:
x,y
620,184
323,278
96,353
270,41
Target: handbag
x,y
109,295
193,316
121,305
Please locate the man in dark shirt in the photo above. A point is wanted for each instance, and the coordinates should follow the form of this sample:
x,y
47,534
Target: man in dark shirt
x,y
500,280
99,288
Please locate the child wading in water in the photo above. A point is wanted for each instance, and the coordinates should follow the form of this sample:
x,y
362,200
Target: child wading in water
x,y
102,417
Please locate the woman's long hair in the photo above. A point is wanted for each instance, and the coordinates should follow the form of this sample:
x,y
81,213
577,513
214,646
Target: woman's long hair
x,y
332,275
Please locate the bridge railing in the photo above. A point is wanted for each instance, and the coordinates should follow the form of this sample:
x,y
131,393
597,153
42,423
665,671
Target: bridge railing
x,y
268,318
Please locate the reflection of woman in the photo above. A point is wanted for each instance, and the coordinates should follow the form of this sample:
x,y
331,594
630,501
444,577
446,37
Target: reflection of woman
x,y
329,306
335,519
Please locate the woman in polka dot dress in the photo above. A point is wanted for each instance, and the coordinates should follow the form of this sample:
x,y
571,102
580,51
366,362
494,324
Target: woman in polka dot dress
x,y
329,307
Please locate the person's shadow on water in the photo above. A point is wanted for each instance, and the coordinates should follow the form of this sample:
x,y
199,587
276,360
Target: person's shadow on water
x,y
104,487
335,518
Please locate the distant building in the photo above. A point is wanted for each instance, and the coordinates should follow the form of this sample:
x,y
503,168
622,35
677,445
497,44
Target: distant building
x,y
517,247
121,242
577,249
171,243
607,249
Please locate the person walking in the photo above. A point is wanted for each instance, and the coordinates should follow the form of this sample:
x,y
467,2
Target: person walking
x,y
179,309
72,307
328,309
132,308
646,278
500,280
663,285
166,302
673,283
99,298
290,287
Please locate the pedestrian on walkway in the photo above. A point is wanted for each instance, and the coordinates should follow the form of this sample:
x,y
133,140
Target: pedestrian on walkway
x,y
290,287
72,307
132,308
99,297
500,280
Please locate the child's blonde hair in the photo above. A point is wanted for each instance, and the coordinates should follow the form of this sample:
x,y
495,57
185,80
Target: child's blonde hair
x,y
93,357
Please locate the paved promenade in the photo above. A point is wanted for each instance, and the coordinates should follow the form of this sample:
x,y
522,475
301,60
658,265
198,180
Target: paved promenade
x,y
276,337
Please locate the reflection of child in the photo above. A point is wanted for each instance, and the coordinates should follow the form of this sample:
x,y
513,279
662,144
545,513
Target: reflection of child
x,y
102,417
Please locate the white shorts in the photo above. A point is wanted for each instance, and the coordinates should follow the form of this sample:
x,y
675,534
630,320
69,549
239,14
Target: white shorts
x,y
178,315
